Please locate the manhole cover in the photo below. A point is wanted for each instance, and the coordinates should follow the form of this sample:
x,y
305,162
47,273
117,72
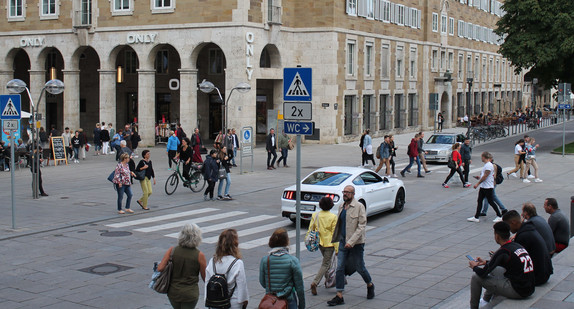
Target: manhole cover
x,y
105,269
116,234
90,204
64,197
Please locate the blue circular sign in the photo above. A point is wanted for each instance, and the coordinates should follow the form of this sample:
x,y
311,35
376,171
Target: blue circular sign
x,y
247,135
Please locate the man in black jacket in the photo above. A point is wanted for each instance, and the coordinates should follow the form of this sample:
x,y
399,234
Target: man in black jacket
x,y
465,153
530,239
271,146
509,273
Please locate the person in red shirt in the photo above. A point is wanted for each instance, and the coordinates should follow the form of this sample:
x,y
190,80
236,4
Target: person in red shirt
x,y
456,167
413,156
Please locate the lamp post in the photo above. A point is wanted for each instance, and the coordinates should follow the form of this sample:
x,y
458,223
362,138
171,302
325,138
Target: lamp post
x,y
207,87
53,86
469,80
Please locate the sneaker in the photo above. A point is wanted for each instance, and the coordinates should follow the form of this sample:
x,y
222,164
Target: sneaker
x,y
483,303
227,197
513,175
531,177
169,169
428,172
537,180
336,301
445,185
371,291
219,198
420,176
409,171
472,219
466,185
313,288
503,211
402,173
497,219
205,198
394,176
525,180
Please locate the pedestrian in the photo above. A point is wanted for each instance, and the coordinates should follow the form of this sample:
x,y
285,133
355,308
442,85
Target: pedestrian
x,y
122,182
145,164
508,273
171,149
324,222
270,146
135,137
97,139
235,146
518,164
116,143
495,198
180,133
466,156
228,143
530,156
37,169
76,146
558,224
43,138
219,139
105,137
384,154
225,163
422,152
361,143
280,273
211,174
124,148
67,137
188,263
227,260
393,150
413,154
350,233
112,133
486,183
197,145
455,167
184,154
127,135
542,227
283,145
83,143
368,148
440,120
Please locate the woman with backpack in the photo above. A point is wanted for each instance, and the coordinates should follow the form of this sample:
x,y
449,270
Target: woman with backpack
x,y
498,179
455,164
226,261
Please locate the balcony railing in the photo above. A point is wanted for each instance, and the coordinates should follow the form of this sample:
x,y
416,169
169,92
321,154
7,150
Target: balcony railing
x,y
274,15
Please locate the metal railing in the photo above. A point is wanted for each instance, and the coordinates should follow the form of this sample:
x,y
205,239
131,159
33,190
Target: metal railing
x,y
481,134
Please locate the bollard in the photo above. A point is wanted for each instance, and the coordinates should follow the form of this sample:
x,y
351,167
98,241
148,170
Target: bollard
x,y
571,216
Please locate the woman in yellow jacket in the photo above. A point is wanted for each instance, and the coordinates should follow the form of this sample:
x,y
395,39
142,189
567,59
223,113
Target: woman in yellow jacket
x,y
324,221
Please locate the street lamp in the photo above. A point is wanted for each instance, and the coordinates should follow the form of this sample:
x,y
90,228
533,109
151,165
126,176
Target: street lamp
x,y
207,87
469,80
53,86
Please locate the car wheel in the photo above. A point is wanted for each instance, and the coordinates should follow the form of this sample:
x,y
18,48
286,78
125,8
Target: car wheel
x,y
364,204
399,201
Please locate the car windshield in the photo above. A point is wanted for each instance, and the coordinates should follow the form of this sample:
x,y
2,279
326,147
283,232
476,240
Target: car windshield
x,y
441,139
326,178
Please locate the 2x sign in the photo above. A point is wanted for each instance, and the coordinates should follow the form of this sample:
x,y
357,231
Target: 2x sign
x,y
297,111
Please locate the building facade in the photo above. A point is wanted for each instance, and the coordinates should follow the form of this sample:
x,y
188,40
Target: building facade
x,y
375,62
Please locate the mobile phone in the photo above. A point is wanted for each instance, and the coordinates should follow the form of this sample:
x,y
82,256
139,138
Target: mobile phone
x,y
470,258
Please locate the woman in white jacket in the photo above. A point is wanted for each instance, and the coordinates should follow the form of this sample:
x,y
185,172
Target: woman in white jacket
x,y
226,252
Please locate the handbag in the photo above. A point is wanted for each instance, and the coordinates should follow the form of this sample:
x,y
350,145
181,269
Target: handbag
x,y
222,173
451,164
331,271
163,280
312,238
271,300
290,145
140,175
111,177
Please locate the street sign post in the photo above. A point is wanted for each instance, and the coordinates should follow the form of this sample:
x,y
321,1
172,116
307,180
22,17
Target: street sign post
x,y
10,114
246,145
298,128
297,111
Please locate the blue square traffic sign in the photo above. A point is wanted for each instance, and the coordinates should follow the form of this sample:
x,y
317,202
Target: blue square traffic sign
x,y
298,128
10,107
297,84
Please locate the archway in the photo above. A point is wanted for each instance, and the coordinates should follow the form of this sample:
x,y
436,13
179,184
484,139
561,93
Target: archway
x,y
126,64
21,67
88,65
167,64
54,108
444,108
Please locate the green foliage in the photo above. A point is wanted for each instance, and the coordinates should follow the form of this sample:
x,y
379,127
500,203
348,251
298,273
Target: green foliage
x,y
539,35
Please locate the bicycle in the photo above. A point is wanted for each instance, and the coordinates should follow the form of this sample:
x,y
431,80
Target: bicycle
x,y
196,181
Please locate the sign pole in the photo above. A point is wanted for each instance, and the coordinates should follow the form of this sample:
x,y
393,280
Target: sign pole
x,y
298,201
12,177
563,131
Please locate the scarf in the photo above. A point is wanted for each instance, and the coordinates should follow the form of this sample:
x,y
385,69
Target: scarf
x,y
279,251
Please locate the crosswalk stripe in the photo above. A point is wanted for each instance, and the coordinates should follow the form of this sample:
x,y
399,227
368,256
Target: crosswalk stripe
x,y
251,231
222,226
184,222
164,217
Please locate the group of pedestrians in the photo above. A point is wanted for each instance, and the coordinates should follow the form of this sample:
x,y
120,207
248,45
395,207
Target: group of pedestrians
x,y
283,142
524,158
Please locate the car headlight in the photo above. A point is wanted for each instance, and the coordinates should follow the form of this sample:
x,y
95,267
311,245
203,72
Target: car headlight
x,y
443,152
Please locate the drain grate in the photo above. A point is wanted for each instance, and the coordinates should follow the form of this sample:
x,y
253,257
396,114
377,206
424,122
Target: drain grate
x,y
89,204
105,269
64,198
116,234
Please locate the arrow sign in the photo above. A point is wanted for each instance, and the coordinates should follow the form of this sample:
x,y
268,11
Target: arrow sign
x,y
298,128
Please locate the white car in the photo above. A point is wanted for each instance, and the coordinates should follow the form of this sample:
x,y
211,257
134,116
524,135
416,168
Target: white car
x,y
439,146
377,193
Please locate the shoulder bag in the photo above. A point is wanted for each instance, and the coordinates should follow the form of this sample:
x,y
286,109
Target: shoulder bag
x,y
270,300
330,279
163,280
451,164
290,144
312,238
222,173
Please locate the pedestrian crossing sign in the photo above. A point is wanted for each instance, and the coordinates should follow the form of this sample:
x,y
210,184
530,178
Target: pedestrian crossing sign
x,y
297,84
10,107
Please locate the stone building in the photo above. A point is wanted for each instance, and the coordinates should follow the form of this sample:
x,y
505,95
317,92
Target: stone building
x,y
375,62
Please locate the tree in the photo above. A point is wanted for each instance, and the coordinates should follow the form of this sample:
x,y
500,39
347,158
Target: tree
x,y
539,35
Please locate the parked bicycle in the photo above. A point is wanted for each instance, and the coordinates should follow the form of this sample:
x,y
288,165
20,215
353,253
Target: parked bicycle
x,y
196,181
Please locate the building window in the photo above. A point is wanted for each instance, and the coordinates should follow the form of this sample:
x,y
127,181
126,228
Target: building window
x,y
461,28
352,7
86,12
483,72
434,59
442,60
451,26
16,9
490,70
384,111
450,61
443,24
216,65
369,59
351,58
413,63
121,5
351,121
386,11
434,22
48,8
399,111
131,62
370,8
413,110
400,58
162,6
460,66
162,62
400,14
368,112
274,12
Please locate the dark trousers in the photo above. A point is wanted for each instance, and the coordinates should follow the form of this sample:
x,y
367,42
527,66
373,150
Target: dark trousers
x,y
170,155
488,194
40,188
466,168
452,171
210,187
270,162
284,153
186,168
357,256
392,161
118,151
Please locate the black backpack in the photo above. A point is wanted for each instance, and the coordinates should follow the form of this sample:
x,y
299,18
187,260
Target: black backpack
x,y
217,292
499,178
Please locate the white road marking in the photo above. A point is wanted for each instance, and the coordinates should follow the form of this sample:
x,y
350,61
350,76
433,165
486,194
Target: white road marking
x,y
160,218
222,226
184,222
251,231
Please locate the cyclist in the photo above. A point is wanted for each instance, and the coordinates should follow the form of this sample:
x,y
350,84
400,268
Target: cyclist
x,y
185,153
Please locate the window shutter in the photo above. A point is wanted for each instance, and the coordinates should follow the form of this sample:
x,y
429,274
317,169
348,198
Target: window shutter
x,y
393,7
419,19
377,6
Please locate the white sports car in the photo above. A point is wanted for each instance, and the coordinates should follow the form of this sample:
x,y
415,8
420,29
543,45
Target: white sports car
x,y
377,193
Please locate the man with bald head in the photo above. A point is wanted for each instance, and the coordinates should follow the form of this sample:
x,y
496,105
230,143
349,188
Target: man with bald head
x,y
350,233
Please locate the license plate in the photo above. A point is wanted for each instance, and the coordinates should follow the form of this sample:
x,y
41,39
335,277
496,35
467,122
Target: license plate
x,y
308,207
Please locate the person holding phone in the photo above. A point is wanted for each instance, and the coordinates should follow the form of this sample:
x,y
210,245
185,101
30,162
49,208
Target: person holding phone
x,y
509,273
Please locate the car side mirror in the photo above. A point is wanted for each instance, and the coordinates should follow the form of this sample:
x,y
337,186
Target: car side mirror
x,y
385,180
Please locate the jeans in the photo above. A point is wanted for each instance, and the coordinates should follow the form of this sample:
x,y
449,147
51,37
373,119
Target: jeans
x,y
146,191
270,162
494,283
234,155
127,189
357,253
284,153
466,170
227,184
486,193
76,152
411,161
496,200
